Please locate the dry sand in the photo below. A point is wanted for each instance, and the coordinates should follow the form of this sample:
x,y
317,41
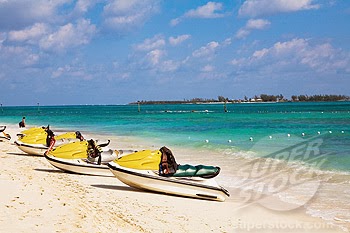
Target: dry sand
x,y
36,197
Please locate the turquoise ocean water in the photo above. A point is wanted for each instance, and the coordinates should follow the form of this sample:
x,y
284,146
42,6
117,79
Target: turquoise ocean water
x,y
238,138
197,125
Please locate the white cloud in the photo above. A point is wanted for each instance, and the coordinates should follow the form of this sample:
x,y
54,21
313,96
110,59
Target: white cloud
x,y
57,73
254,8
128,14
298,53
151,55
169,66
69,36
151,43
242,33
252,24
208,68
16,14
31,59
31,33
175,22
206,51
125,75
18,56
155,62
238,62
208,11
13,50
71,71
260,53
155,56
257,24
179,39
3,37
288,47
227,42
209,51
83,6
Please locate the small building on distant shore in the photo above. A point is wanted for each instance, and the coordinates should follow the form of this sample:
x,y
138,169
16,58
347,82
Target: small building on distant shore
x,y
254,100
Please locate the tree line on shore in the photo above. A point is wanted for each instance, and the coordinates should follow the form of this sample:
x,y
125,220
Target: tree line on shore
x,y
256,98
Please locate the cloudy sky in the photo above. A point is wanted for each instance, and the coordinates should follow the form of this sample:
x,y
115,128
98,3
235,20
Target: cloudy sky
x,y
119,51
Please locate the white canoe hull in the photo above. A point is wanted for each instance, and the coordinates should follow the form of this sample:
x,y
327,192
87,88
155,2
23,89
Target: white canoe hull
x,y
80,166
185,186
32,149
40,149
83,166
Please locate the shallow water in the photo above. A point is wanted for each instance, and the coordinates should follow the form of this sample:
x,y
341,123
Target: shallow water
x,y
194,125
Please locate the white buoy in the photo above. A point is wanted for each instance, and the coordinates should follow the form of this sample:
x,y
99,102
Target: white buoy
x,y
206,140
303,134
342,131
288,135
229,141
270,137
251,139
330,131
318,132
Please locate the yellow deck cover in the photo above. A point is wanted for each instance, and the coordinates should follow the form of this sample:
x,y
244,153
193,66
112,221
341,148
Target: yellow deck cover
x,y
144,160
40,137
34,130
73,150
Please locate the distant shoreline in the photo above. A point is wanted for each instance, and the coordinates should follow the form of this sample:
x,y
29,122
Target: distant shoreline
x,y
263,98
228,102
165,103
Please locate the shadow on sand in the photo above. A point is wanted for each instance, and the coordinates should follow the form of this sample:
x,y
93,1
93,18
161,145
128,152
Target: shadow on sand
x,y
49,170
69,172
117,187
24,154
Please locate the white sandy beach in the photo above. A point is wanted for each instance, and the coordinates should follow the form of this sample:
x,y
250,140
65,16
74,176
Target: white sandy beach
x,y
36,197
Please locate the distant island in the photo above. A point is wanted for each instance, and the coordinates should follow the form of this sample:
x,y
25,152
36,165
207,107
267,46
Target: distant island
x,y
256,99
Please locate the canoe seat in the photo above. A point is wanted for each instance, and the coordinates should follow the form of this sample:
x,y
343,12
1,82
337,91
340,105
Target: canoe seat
x,y
203,171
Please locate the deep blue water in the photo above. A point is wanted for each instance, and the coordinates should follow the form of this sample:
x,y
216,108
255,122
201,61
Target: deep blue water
x,y
190,125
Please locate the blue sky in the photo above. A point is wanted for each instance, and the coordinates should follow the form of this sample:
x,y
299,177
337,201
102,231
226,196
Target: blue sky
x,y
119,51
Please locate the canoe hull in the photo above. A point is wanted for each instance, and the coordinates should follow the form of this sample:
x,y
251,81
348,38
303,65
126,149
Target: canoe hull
x,y
83,166
190,187
36,149
79,166
40,149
